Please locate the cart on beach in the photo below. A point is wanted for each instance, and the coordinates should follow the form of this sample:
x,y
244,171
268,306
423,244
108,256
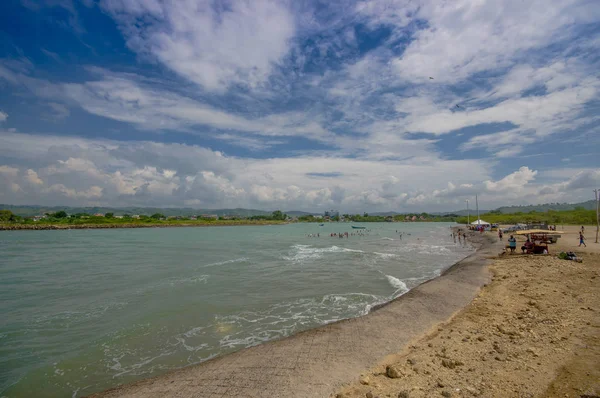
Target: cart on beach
x,y
540,239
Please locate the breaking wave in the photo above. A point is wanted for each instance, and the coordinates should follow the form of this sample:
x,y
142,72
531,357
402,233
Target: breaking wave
x,y
300,253
235,260
397,284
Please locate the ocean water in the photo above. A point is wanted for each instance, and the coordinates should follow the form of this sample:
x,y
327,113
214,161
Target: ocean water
x,y
85,310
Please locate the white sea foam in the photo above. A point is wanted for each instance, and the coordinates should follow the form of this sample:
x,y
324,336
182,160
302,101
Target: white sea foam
x,y
235,260
283,319
423,248
300,253
397,284
188,280
386,238
385,255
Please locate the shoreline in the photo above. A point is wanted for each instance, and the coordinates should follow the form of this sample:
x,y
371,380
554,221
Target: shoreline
x,y
304,364
65,227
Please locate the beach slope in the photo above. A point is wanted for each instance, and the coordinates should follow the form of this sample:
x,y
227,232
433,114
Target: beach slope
x,y
534,331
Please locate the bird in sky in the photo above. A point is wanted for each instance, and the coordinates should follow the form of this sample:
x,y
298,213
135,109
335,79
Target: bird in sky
x,y
430,78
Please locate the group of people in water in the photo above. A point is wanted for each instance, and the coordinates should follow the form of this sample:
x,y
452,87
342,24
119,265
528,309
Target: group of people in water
x,y
341,235
462,236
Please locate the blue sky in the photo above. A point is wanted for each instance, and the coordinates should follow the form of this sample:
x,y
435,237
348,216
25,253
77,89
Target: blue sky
x,y
308,105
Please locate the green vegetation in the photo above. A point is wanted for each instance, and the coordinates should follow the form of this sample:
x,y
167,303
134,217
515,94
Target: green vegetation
x,y
8,216
61,219
579,216
366,217
277,215
589,205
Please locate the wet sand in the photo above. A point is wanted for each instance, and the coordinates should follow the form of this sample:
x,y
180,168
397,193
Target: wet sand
x,y
534,331
318,362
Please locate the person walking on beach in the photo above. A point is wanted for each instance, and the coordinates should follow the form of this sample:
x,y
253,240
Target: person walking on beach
x,y
512,244
582,239
500,234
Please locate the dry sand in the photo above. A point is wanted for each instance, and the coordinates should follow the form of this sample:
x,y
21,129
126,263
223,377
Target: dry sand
x,y
533,331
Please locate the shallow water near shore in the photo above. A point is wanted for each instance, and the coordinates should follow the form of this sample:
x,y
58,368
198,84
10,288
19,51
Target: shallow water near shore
x,y
85,310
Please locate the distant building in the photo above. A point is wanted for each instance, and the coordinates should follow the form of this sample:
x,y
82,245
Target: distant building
x,y
136,216
210,216
414,218
407,218
99,215
119,217
193,218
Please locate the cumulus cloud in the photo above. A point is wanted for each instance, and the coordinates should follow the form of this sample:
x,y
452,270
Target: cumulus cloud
x,y
120,173
214,46
3,116
512,182
584,179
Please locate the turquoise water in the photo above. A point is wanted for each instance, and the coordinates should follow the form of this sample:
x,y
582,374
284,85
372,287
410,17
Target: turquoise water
x,y
85,310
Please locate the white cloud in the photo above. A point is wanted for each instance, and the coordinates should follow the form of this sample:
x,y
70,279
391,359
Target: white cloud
x,y
70,171
544,113
8,171
57,111
211,45
3,116
584,179
514,182
464,37
94,192
128,98
32,178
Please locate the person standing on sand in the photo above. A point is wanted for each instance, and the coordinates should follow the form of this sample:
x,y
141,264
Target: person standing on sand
x,y
582,229
512,244
582,239
500,233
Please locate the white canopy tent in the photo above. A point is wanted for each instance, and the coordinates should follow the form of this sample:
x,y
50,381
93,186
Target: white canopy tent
x,y
480,222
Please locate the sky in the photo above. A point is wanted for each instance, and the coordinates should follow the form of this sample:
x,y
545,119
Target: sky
x,y
374,105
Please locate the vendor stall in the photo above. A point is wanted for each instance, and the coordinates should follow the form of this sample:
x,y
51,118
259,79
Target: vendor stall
x,y
540,239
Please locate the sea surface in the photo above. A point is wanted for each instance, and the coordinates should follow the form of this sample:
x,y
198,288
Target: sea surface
x,y
85,310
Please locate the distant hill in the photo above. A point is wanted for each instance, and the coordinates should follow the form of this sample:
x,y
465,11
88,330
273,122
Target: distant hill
x,y
27,211
462,213
295,213
385,214
589,205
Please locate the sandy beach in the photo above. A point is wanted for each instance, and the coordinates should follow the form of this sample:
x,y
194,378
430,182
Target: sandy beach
x,y
490,326
533,331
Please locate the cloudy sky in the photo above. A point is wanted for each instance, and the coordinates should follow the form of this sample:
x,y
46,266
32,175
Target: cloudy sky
x,y
405,105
